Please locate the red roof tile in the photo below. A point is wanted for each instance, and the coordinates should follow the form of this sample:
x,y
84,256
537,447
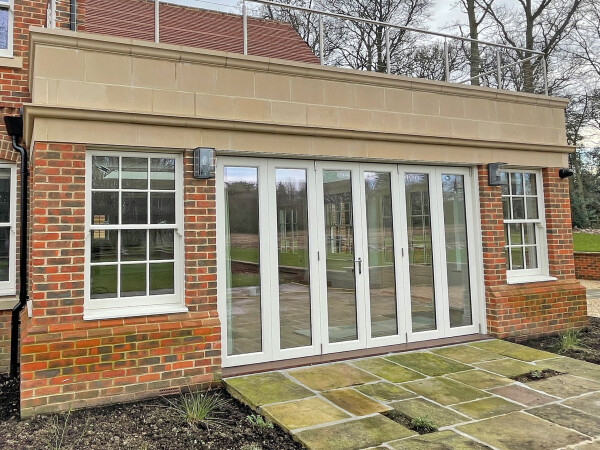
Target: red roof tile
x,y
193,27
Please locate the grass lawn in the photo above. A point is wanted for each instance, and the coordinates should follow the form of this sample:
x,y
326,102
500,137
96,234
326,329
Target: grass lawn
x,y
584,242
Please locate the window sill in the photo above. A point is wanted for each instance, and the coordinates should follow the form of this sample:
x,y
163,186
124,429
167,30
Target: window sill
x,y
14,63
7,301
133,311
530,279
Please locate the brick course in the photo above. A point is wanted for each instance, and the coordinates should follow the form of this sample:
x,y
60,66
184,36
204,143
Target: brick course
x,y
68,362
519,311
587,265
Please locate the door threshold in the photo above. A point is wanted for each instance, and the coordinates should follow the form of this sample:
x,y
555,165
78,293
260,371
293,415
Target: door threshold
x,y
334,357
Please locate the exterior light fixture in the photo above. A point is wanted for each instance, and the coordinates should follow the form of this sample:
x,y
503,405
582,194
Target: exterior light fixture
x,y
565,173
494,173
204,166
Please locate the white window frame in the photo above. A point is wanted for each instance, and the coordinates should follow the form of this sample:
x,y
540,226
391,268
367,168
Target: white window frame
x,y
541,273
106,308
9,287
10,6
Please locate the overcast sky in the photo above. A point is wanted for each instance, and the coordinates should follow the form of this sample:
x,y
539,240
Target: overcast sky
x,y
443,11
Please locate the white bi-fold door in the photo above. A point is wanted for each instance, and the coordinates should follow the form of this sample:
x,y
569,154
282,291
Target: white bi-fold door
x,y
323,257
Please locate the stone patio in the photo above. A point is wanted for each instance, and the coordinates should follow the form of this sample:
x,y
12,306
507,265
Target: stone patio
x,y
465,390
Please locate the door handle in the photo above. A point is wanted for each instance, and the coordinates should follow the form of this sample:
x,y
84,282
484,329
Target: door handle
x,y
359,261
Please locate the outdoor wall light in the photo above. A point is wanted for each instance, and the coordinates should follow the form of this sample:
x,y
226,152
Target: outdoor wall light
x,y
204,162
565,173
494,173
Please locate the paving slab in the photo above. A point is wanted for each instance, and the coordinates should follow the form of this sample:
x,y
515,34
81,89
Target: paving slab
x,y
523,395
331,376
355,434
354,402
466,354
565,386
265,388
303,413
569,418
445,391
420,407
576,367
442,440
428,363
511,350
387,370
385,392
520,431
588,403
487,407
507,367
480,379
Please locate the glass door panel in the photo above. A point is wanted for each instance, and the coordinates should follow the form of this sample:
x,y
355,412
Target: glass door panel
x,y
380,243
242,246
457,256
339,256
293,258
420,252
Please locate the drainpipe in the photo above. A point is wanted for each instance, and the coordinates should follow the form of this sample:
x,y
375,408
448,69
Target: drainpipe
x,y
73,15
14,128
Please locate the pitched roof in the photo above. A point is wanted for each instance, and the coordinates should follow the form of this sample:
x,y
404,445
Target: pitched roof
x,y
193,27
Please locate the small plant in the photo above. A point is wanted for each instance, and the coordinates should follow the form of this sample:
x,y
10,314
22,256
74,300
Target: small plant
x,y
537,374
59,430
423,425
198,407
258,421
569,340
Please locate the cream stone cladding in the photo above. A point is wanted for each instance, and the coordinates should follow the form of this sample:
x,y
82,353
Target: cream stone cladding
x,y
111,91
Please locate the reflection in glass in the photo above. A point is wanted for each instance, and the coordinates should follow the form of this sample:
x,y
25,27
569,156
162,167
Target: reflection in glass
x,y
135,173
5,195
103,281
4,13
243,260
293,258
4,253
420,252
133,280
161,278
161,207
339,242
162,173
380,239
457,264
105,172
104,245
105,208
134,208
133,245
162,244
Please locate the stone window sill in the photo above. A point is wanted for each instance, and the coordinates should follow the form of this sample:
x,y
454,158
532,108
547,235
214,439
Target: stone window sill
x,y
15,62
530,279
7,302
119,313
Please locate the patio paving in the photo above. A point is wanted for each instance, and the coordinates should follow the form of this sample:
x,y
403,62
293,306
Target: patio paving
x,y
465,390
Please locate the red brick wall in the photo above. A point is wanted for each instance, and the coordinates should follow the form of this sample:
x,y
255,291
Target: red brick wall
x,y
587,265
4,340
68,362
531,309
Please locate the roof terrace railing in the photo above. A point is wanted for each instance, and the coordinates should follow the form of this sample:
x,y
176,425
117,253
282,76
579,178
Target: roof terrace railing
x,y
449,57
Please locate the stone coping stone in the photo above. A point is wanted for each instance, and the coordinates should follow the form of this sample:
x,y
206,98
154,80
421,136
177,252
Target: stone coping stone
x,y
331,376
588,403
354,402
442,440
565,386
466,354
507,367
487,407
518,431
387,370
353,435
385,392
265,388
420,407
480,379
569,418
523,395
428,363
303,413
445,391
511,350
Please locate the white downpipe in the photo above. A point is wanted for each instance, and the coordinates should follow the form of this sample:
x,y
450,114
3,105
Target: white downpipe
x,y
156,21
